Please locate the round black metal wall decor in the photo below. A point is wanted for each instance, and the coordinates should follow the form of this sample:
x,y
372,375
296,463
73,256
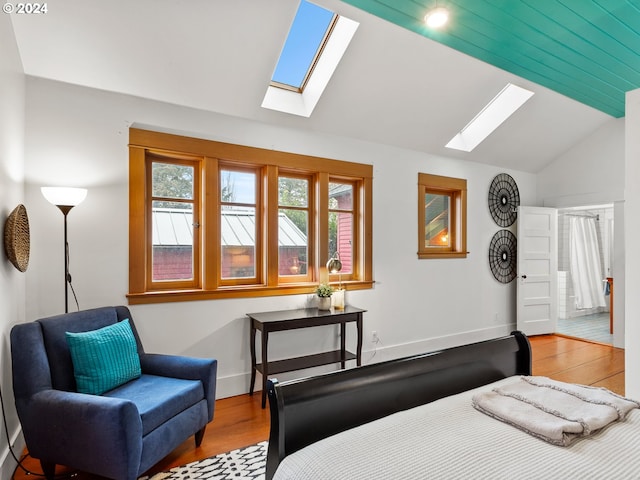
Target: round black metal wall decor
x,y
502,256
504,198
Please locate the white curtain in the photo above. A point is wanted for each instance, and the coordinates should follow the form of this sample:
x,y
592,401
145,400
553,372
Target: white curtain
x,y
586,273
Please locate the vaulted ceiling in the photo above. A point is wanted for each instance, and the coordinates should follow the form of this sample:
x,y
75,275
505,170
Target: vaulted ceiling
x,y
397,84
588,50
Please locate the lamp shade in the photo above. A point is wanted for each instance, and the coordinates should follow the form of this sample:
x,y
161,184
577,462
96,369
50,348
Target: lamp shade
x,y
64,196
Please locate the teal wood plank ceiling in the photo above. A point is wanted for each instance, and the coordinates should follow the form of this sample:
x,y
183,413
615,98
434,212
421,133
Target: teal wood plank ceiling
x,y
588,50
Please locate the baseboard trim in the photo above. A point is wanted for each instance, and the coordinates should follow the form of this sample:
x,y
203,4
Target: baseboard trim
x,y
7,463
233,385
432,344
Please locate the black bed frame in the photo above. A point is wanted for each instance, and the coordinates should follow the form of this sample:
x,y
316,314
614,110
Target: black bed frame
x,y
310,409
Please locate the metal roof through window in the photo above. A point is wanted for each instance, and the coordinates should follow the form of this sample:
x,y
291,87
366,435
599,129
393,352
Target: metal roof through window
x,y
174,227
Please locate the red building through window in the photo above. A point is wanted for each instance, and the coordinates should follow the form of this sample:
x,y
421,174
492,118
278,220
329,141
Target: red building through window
x,y
173,237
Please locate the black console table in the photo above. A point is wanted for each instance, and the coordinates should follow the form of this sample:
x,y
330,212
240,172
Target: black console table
x,y
268,322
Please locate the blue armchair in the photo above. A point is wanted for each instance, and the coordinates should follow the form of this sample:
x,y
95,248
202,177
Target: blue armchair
x,y
121,433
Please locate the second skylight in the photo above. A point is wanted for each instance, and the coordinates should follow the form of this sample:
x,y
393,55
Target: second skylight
x,y
501,107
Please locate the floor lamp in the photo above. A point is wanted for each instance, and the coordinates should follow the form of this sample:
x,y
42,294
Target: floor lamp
x,y
65,198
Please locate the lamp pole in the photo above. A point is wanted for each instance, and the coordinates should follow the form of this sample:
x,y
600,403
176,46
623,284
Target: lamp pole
x,y
67,276
65,198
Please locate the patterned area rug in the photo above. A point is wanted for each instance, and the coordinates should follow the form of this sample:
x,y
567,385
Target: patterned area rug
x,y
244,463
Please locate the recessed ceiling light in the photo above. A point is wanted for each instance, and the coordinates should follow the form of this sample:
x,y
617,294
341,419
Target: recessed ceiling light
x,y
436,17
501,107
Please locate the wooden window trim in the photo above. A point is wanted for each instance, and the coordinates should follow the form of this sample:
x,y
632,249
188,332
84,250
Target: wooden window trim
x,y
311,227
456,189
212,156
194,282
258,277
355,211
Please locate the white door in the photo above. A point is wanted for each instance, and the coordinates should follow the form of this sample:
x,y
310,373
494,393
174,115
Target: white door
x,y
537,289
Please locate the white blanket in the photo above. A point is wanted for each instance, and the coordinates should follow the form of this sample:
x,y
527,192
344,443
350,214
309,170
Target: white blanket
x,y
449,439
556,412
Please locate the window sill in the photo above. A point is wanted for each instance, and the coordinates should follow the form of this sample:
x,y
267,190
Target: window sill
x,y
423,256
165,296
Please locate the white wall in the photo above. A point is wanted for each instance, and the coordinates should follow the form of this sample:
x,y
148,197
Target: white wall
x,y
77,136
592,172
12,282
632,233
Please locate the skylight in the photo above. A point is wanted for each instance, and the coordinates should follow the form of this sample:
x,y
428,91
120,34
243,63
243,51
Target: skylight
x,y
317,40
501,107
309,31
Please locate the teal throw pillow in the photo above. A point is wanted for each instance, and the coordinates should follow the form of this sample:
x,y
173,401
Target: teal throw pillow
x,y
105,358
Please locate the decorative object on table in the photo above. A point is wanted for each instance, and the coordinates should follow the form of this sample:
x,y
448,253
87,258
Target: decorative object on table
x,y
65,198
324,292
334,265
504,199
502,256
16,238
337,299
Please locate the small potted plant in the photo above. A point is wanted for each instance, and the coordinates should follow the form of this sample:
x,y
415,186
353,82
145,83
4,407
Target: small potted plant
x,y
324,292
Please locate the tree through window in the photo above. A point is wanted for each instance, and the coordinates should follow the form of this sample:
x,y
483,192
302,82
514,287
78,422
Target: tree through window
x,y
293,227
216,220
172,216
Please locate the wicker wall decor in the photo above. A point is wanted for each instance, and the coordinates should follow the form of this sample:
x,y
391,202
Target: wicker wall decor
x,y
16,238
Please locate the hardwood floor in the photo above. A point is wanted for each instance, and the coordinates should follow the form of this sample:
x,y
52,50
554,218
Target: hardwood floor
x,y
576,361
239,421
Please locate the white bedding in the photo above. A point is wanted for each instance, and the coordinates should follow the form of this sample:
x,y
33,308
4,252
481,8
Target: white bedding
x,y
449,439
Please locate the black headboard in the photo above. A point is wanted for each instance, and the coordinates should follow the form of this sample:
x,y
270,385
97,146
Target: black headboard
x,y
307,410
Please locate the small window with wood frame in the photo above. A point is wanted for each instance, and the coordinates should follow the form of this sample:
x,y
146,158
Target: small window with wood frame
x,y
442,217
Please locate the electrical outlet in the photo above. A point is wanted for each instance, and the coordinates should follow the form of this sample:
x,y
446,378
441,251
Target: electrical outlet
x,y
374,337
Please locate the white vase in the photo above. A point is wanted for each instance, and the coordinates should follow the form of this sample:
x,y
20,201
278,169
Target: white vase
x,y
324,303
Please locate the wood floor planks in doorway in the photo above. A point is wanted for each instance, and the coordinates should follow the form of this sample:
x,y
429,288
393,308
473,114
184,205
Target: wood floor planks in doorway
x,y
575,361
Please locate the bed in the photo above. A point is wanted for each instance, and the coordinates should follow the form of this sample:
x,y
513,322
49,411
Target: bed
x,y
413,418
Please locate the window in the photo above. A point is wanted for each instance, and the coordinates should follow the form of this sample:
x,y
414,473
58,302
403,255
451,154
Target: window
x,y
239,251
294,215
341,217
316,43
173,247
442,217
309,32
215,220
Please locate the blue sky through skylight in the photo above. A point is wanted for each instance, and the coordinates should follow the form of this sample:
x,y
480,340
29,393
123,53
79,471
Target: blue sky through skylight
x,y
305,38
